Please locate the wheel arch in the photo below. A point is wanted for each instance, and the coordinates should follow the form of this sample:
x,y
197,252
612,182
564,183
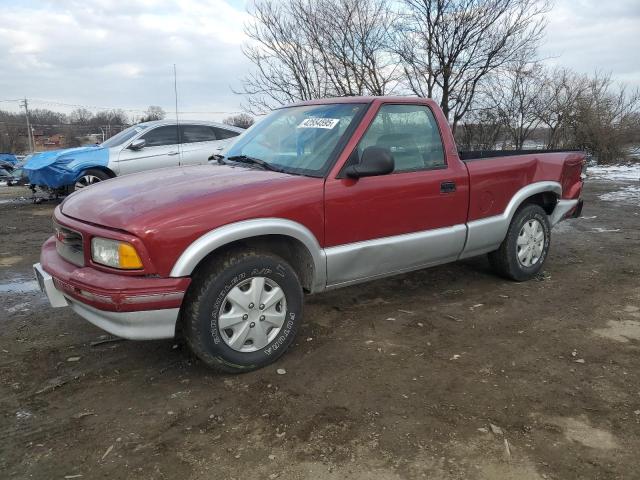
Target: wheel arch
x,y
486,234
102,168
545,194
288,239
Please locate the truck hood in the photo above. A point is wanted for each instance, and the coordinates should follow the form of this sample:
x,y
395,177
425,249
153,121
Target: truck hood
x,y
180,197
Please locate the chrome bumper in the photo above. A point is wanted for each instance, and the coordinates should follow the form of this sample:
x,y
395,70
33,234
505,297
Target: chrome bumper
x,y
140,325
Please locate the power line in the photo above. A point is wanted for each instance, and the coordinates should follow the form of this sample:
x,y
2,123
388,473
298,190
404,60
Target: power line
x,y
40,101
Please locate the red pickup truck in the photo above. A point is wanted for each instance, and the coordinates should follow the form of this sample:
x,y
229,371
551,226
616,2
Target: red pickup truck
x,y
318,195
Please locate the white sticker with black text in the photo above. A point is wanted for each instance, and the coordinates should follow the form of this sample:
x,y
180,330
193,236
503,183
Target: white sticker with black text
x,y
316,122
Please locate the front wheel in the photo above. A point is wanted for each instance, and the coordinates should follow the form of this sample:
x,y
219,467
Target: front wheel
x,y
524,250
243,311
89,177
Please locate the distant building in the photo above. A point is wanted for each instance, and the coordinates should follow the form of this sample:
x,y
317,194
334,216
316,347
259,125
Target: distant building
x,y
45,141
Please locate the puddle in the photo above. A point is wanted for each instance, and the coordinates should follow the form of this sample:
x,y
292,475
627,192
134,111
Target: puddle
x,y
579,430
19,286
620,331
43,213
501,471
20,307
9,261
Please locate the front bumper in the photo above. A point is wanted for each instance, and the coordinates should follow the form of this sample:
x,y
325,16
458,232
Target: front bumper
x,y
134,307
135,325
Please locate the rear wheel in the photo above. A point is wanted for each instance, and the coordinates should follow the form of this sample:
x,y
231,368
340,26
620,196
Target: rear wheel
x,y
524,250
243,311
89,177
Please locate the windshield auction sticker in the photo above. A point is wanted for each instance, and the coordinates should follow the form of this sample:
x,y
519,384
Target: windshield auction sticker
x,y
314,122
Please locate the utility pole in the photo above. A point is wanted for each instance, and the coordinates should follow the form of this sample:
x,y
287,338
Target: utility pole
x,y
25,104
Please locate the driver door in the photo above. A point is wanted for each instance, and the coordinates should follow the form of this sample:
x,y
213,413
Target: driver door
x,y
161,150
408,219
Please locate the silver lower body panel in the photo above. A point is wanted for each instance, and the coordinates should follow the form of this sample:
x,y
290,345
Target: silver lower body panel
x,y
140,325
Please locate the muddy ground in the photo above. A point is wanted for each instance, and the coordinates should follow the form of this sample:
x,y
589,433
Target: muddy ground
x,y
447,373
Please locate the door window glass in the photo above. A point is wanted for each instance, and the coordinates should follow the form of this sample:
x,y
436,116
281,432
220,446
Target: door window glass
x,y
197,133
410,132
222,133
167,135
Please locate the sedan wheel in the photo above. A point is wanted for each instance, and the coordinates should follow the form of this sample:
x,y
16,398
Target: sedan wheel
x,y
86,180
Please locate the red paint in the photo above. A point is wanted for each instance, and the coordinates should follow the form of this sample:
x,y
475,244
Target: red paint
x,y
108,291
388,205
162,212
170,208
501,177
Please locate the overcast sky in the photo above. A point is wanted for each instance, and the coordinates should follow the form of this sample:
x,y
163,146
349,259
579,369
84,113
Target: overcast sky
x,y
120,54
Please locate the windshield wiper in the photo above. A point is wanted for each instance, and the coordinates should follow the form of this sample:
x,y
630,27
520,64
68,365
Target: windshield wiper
x,y
253,161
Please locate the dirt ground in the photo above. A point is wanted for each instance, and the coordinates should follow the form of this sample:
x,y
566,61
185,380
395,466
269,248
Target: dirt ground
x,y
446,373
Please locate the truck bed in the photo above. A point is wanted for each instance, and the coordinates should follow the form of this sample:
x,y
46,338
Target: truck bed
x,y
471,155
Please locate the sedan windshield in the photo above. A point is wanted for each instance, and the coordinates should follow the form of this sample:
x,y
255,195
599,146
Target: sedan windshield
x,y
123,136
302,140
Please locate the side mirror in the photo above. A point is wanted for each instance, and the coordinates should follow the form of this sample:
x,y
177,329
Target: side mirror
x,y
137,144
375,161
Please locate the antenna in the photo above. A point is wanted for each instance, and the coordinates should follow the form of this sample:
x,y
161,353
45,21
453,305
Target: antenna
x,y
175,92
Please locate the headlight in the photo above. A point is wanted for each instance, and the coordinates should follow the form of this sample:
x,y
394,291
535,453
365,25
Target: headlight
x,y
114,253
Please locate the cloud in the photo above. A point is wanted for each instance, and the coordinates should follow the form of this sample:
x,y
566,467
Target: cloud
x,y
121,53
589,36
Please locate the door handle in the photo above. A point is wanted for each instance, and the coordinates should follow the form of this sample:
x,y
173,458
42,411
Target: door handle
x,y
447,187
172,153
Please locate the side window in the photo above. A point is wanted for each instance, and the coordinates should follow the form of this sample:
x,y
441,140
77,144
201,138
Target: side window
x,y
411,133
222,133
197,133
167,135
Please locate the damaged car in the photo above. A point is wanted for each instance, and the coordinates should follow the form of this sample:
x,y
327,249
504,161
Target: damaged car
x,y
145,146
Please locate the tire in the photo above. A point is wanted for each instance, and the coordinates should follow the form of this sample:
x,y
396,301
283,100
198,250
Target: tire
x,y
89,177
224,293
523,240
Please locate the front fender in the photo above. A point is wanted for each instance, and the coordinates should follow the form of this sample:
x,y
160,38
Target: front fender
x,y
211,241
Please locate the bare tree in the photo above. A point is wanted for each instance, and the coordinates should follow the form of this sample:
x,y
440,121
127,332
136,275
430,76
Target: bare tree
x,y
13,135
449,46
242,120
606,116
352,40
558,102
153,112
306,49
514,94
480,130
285,69
80,116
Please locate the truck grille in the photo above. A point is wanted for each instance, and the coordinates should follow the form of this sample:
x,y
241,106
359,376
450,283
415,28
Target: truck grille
x,y
69,245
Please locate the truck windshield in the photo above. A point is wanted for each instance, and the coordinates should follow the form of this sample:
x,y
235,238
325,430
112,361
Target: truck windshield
x,y
299,140
123,136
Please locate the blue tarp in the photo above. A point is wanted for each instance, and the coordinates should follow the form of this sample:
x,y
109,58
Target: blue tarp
x,y
58,168
8,157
